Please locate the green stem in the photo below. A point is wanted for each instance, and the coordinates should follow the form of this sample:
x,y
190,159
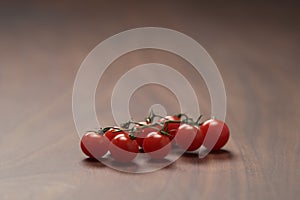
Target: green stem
x,y
199,118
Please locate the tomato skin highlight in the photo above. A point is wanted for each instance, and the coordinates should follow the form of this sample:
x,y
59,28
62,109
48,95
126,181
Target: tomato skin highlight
x,y
157,145
170,127
214,126
94,145
189,137
122,148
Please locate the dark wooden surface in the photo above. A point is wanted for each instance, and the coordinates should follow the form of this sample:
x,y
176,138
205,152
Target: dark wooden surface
x,y
256,47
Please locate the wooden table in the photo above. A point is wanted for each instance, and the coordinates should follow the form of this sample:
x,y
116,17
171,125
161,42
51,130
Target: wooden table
x,y
255,46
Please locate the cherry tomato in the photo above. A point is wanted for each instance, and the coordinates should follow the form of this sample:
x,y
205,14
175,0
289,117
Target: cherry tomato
x,y
169,117
189,137
214,127
113,132
142,132
94,145
122,148
157,145
170,127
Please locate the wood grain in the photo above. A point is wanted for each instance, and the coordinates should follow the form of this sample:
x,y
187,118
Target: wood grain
x,y
256,48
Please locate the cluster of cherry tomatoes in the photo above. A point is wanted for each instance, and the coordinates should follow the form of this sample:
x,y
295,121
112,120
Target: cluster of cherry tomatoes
x,y
154,138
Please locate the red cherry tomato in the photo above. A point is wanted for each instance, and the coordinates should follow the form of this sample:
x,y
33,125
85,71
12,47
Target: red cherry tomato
x,y
142,132
113,132
170,117
189,137
157,145
123,149
214,127
94,145
170,127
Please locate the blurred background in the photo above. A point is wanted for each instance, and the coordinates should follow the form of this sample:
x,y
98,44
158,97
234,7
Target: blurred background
x,y
255,45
